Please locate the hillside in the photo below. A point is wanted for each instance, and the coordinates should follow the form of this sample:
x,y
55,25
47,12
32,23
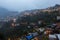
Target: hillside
x,y
55,9
49,14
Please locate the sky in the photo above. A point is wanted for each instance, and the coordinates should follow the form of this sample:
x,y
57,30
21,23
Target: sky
x,y
21,5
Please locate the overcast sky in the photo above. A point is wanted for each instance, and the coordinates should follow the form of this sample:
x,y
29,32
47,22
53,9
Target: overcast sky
x,y
21,5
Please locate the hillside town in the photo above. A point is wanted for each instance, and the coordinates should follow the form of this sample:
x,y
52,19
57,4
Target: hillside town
x,y
39,24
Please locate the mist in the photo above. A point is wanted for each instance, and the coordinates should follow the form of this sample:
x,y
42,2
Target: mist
x,y
21,5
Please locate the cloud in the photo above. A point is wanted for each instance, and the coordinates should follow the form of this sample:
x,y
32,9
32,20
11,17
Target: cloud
x,y
20,5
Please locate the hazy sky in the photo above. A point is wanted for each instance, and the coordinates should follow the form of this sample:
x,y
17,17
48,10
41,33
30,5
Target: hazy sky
x,y
21,5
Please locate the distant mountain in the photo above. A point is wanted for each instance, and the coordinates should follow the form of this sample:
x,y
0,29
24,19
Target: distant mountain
x,y
4,13
3,9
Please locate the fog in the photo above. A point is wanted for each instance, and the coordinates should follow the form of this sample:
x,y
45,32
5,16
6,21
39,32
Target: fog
x,y
21,5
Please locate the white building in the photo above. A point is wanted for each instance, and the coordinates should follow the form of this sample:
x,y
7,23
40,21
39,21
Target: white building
x,y
53,37
58,17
